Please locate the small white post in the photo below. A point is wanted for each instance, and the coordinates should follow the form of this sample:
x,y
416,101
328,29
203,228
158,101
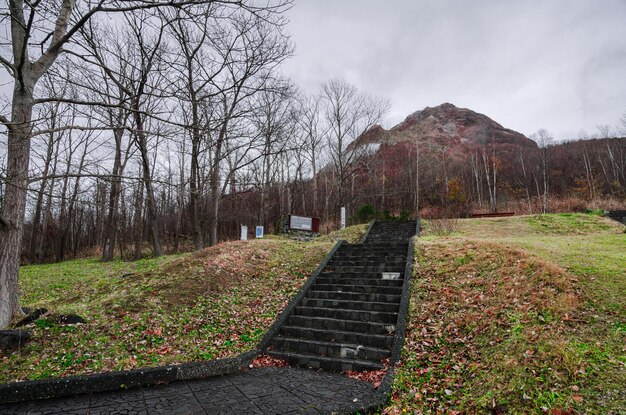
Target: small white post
x,y
259,231
244,233
343,217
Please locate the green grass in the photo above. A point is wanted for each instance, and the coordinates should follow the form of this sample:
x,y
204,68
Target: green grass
x,y
517,315
590,246
210,304
569,223
79,286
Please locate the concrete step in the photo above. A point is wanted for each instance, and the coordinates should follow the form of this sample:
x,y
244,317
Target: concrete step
x,y
386,239
347,314
360,261
379,282
329,349
354,296
351,305
375,289
367,339
400,236
331,364
375,246
362,269
361,275
382,257
335,324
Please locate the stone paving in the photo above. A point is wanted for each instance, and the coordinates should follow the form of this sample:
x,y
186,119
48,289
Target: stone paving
x,y
268,390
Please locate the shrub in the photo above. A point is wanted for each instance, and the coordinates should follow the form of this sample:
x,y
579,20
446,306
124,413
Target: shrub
x,y
443,226
365,213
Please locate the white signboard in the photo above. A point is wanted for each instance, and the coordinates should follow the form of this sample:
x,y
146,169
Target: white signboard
x,y
244,233
391,275
301,223
343,218
259,231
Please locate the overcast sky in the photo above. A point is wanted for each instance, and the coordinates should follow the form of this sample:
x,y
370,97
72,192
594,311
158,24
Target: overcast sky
x,y
555,64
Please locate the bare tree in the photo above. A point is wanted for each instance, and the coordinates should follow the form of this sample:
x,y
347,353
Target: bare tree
x,y
108,85
524,181
251,50
621,126
40,32
52,118
309,120
544,139
195,67
348,113
604,131
69,196
272,121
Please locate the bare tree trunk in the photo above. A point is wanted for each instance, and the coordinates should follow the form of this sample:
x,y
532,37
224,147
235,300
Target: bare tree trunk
x,y
215,206
138,219
151,210
14,209
417,177
326,199
491,181
63,209
34,234
180,198
315,181
48,209
589,173
494,166
65,230
111,224
214,186
196,229
266,180
544,164
606,176
526,185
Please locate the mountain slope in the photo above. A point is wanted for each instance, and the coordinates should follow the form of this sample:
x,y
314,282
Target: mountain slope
x,y
447,128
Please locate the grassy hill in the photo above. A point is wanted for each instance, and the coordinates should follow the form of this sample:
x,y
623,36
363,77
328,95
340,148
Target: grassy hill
x,y
517,315
508,315
210,304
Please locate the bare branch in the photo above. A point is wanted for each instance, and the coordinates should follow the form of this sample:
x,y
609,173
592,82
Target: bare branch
x,y
4,120
69,128
5,224
7,64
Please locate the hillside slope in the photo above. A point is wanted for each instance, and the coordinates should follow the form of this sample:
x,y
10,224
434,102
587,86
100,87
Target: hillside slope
x,y
210,304
517,315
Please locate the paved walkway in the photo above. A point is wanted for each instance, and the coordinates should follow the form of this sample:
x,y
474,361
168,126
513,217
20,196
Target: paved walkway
x,y
267,390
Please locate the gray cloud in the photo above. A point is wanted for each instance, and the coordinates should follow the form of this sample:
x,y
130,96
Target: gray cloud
x,y
556,64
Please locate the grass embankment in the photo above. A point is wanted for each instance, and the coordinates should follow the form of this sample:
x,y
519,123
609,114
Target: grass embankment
x,y
517,315
201,306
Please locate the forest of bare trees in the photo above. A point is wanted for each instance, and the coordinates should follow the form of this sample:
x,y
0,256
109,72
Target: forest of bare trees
x,y
140,128
126,119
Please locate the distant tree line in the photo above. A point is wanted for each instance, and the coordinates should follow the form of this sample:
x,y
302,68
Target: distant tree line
x,y
573,175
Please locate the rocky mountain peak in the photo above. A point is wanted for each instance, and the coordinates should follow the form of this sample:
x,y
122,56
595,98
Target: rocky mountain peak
x,y
447,126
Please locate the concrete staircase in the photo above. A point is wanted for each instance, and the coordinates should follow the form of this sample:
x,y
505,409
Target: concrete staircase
x,y
618,215
347,318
